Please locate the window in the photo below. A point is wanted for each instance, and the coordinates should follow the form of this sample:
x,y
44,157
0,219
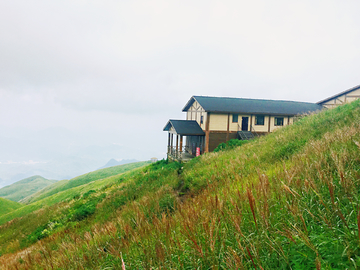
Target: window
x,y
279,121
202,119
235,118
259,120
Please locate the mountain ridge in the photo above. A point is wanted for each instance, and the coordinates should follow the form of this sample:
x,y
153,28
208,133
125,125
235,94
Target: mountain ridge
x,y
25,187
114,162
7,206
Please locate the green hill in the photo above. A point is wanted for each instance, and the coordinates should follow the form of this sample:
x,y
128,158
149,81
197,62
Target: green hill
x,y
83,179
68,189
43,191
21,189
288,200
6,206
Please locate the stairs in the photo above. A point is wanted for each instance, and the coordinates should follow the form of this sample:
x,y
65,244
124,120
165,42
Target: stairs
x,y
245,135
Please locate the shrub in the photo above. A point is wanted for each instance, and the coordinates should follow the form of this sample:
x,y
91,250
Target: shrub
x,y
83,211
87,194
167,203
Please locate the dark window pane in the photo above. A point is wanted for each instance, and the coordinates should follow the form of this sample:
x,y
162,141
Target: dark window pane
x,y
279,121
235,118
259,120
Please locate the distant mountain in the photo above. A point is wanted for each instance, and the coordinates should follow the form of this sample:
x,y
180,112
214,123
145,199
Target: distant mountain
x,y
7,206
24,188
114,162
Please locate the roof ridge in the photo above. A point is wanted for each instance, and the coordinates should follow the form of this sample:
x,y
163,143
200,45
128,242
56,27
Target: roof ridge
x,y
257,99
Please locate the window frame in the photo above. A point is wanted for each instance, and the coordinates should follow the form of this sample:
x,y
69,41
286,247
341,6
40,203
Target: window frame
x,y
236,118
276,121
256,120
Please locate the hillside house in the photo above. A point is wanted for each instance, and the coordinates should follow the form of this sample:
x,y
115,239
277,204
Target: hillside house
x,y
213,120
341,98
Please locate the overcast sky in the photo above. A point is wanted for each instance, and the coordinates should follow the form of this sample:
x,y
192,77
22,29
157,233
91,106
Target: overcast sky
x,y
113,72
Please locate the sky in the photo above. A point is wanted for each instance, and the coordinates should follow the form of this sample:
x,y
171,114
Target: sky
x,y
87,81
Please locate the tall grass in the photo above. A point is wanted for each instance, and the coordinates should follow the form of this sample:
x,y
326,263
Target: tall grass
x,y
289,200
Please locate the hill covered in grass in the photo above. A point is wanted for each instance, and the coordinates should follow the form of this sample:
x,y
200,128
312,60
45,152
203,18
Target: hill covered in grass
x,y
26,187
83,179
6,206
289,200
65,190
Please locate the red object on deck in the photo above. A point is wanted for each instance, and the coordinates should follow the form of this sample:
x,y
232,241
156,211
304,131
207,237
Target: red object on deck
x,y
197,151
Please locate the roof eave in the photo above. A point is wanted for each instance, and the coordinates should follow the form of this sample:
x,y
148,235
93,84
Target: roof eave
x,y
168,122
189,103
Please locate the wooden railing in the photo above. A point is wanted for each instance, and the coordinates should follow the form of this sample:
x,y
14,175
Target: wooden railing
x,y
180,154
176,154
253,131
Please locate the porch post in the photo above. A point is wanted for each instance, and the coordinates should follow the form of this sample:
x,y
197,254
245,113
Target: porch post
x,y
168,146
207,133
171,141
181,144
177,145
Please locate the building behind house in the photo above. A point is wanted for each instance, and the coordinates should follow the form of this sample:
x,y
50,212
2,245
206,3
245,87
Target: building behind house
x,y
341,98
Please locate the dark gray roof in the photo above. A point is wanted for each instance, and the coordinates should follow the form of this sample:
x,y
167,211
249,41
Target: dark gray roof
x,y
185,127
252,106
338,95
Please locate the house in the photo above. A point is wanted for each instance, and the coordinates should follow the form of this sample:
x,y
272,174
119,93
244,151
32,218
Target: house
x,y
213,120
341,98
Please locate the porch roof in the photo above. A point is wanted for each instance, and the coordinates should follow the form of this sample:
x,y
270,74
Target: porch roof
x,y
185,127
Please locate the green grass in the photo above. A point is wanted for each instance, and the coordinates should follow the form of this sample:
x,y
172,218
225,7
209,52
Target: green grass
x,y
64,191
6,206
26,187
43,191
84,179
289,200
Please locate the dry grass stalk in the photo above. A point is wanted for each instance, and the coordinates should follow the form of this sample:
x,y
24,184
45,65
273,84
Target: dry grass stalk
x,y
248,251
318,263
252,203
292,192
358,223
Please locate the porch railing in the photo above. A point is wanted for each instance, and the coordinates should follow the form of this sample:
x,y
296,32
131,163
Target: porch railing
x,y
179,154
176,154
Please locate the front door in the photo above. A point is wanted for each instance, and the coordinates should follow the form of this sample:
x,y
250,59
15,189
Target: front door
x,y
245,123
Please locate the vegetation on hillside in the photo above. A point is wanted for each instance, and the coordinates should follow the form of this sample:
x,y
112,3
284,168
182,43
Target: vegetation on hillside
x,y
65,192
6,206
23,188
84,179
289,200
47,189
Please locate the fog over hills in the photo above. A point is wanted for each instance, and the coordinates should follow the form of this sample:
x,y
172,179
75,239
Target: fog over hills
x,y
114,162
54,153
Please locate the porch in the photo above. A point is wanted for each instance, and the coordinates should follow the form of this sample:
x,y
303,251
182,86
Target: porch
x,y
186,140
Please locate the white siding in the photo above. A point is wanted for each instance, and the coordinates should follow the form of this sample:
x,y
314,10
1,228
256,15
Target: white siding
x,y
346,98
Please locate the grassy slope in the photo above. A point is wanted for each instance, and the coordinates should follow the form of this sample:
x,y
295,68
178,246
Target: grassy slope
x,y
21,189
285,201
84,179
7,206
43,191
68,189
